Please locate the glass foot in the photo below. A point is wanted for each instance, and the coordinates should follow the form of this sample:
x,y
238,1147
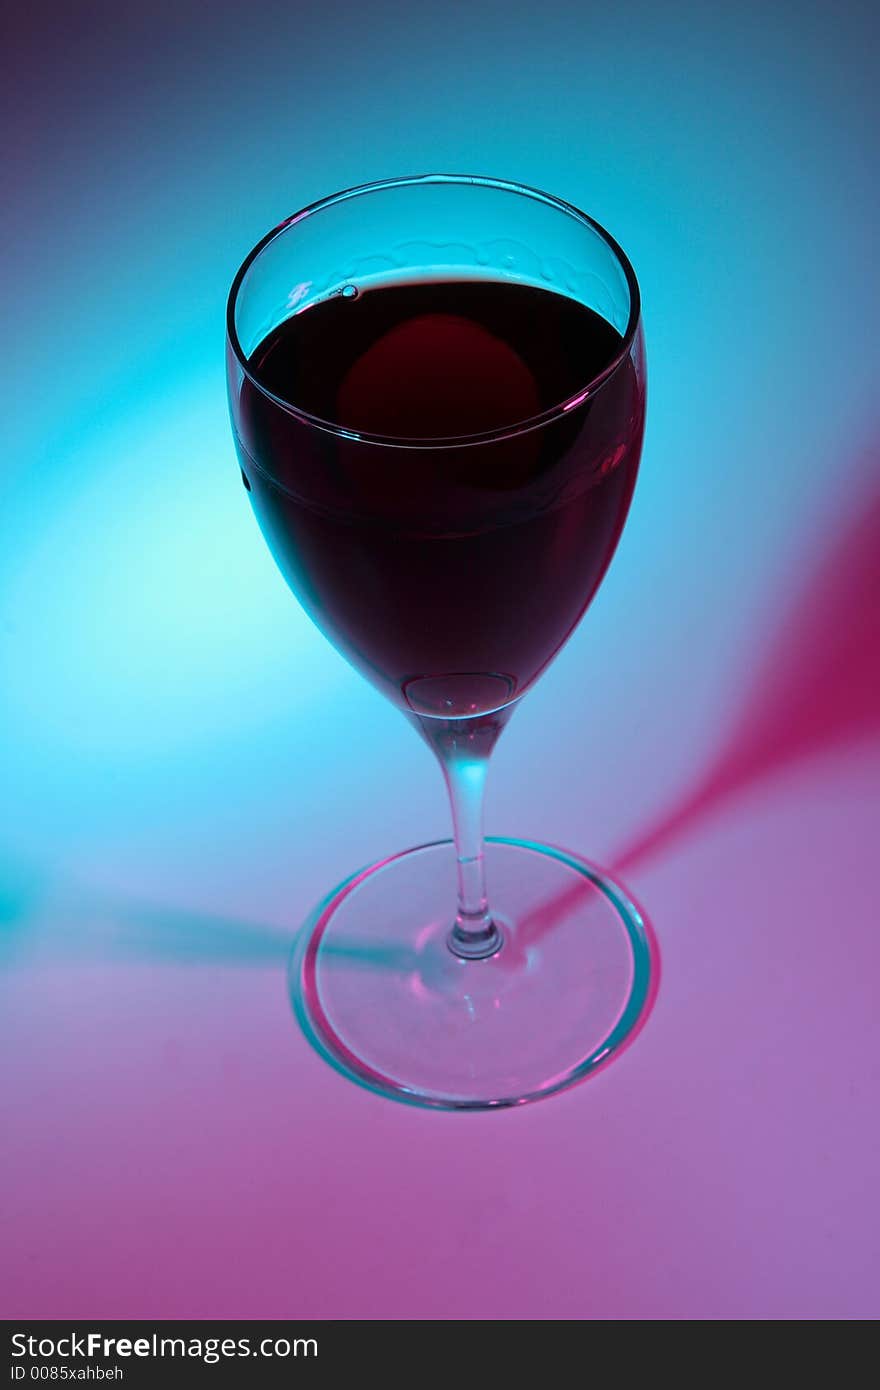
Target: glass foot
x,y
381,995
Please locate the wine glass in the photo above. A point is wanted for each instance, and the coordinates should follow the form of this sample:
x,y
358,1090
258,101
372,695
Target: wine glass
x,y
437,392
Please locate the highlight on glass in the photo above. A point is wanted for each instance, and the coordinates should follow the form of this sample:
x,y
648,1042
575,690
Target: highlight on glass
x,y
437,392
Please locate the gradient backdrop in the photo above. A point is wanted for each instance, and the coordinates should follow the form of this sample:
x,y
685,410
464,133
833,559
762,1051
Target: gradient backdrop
x,y
187,765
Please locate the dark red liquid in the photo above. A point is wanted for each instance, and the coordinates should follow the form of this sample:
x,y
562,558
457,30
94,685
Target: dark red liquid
x,y
450,575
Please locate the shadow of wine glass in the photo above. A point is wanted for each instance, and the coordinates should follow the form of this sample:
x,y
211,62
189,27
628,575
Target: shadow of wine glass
x,y
816,686
77,923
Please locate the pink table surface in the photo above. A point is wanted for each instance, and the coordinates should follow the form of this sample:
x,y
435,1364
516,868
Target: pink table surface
x,y
173,1147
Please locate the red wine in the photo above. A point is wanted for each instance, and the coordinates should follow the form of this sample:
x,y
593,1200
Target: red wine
x,y
449,572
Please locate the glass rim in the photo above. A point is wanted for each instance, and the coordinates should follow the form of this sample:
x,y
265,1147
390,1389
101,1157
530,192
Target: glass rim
x,y
510,431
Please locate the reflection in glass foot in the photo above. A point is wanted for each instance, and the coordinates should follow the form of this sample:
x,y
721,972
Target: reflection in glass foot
x,y
379,993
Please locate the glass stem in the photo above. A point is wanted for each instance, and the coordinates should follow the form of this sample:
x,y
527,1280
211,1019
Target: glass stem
x,y
463,748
